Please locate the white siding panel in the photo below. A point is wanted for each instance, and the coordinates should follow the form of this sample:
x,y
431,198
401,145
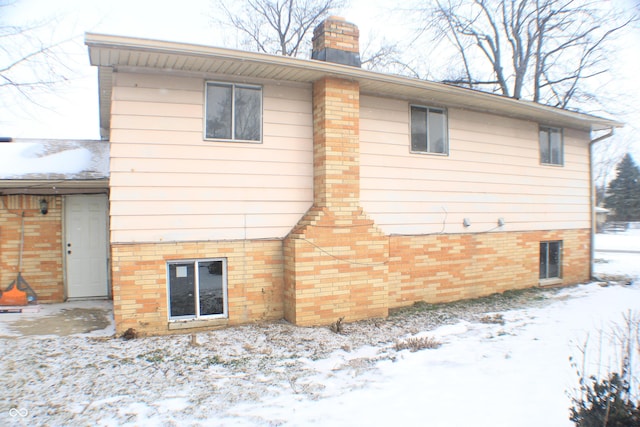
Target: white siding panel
x,y
232,195
164,234
157,81
203,166
218,207
492,171
142,94
202,180
154,109
242,154
173,124
170,184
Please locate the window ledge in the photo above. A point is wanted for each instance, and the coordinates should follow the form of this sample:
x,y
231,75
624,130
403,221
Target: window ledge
x,y
550,282
430,153
198,323
235,141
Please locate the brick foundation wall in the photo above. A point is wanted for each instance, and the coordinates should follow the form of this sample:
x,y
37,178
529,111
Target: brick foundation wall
x,y
139,275
333,267
42,254
443,268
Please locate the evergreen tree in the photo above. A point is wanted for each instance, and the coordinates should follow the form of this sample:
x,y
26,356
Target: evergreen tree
x,y
623,193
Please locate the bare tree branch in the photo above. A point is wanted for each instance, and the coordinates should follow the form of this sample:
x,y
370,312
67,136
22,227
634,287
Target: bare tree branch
x,y
542,50
32,59
279,27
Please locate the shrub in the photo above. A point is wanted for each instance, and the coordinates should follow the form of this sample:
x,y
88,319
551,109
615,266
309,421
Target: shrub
x,y
605,403
613,399
415,344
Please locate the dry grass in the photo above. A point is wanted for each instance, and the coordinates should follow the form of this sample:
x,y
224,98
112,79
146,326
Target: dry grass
x,y
418,343
497,319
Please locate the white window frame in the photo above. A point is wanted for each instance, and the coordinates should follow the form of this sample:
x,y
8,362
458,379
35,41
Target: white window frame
x,y
550,130
546,277
233,87
225,298
428,149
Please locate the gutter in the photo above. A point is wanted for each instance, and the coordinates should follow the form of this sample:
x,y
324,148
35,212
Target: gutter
x,y
592,197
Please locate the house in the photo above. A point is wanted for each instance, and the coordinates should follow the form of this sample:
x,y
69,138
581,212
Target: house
x,y
245,186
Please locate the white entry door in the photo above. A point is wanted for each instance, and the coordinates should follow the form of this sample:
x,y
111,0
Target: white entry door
x,y
86,246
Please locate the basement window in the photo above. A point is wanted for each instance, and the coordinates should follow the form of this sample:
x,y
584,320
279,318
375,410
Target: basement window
x,y
429,130
197,289
233,112
551,146
550,260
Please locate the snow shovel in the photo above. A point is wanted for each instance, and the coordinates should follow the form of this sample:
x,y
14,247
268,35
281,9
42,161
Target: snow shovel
x,y
18,292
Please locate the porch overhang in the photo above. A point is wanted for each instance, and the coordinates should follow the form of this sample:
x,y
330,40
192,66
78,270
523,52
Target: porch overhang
x,y
53,187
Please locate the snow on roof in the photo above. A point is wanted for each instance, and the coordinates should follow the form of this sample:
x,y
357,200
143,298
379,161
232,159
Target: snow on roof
x,y
54,159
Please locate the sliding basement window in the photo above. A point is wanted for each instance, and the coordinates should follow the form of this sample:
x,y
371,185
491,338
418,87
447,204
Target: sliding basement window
x,y
197,289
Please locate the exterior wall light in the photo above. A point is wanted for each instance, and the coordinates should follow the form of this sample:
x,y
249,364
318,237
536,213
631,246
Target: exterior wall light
x,y
466,222
44,207
500,222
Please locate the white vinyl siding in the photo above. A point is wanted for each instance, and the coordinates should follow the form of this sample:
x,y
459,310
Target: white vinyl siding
x,y
169,184
493,171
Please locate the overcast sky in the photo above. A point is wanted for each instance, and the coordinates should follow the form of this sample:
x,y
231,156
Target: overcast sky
x,y
71,112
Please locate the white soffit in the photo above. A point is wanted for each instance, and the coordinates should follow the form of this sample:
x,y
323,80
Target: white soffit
x,y
109,52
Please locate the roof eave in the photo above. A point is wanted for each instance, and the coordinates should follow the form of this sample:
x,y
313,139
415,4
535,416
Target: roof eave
x,y
107,52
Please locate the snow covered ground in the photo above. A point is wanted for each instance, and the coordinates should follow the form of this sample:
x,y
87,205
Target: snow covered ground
x,y
503,361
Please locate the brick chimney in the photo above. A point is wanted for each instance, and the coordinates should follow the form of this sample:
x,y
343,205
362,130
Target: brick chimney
x,y
336,258
336,40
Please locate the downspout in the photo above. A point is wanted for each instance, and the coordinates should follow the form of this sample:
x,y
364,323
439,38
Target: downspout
x,y
592,197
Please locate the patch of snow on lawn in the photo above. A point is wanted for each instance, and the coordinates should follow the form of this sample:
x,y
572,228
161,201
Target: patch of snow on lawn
x,y
618,254
628,240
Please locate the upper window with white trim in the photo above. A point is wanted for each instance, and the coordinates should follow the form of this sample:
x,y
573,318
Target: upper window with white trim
x,y
551,146
429,130
233,112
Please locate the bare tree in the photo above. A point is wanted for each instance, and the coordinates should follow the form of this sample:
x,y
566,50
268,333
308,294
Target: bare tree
x,y
284,27
543,50
279,27
31,61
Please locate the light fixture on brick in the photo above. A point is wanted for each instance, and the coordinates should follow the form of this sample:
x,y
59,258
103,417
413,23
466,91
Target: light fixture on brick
x,y
44,206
